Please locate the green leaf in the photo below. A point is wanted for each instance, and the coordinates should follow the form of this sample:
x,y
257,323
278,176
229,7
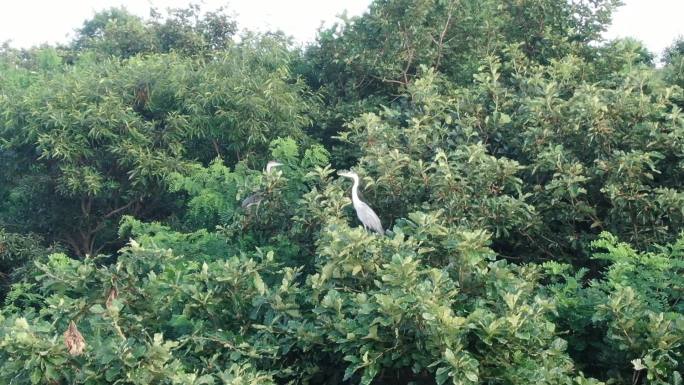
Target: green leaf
x,y
259,284
97,309
472,376
36,376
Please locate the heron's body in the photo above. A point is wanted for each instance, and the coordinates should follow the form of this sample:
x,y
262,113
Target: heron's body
x,y
366,215
252,200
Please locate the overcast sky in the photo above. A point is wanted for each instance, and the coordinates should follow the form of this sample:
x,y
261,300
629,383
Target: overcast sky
x,y
32,22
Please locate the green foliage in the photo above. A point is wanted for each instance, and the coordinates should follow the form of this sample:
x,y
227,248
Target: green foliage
x,y
628,324
450,36
215,195
77,134
674,68
496,155
367,60
430,301
529,176
116,32
17,255
105,136
108,304
674,51
201,244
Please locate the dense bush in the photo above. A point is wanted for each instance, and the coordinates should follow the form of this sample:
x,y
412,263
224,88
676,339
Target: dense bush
x,y
542,156
528,176
104,136
631,318
116,32
18,252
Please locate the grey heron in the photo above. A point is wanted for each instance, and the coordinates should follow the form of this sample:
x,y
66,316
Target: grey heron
x,y
366,215
257,197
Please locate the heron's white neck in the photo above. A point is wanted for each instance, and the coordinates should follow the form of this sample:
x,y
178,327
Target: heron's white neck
x,y
355,190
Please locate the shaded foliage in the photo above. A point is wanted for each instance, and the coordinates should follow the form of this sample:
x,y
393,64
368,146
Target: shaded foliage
x,y
630,321
18,252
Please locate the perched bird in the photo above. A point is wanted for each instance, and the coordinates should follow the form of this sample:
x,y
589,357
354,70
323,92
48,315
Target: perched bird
x,y
272,164
252,200
366,214
257,197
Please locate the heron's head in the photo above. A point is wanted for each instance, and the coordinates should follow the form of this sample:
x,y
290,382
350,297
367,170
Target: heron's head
x,y
272,164
348,174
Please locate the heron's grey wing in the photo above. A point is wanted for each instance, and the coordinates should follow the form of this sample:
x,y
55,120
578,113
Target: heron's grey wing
x,y
252,200
369,218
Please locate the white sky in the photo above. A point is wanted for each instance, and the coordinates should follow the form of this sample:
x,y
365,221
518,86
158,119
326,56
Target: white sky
x,y
30,22
657,23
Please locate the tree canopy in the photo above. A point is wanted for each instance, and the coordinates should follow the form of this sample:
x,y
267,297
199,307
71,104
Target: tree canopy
x,y
528,172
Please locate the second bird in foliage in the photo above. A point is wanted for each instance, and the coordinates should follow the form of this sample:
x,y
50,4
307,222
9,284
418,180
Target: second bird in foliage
x,y
256,198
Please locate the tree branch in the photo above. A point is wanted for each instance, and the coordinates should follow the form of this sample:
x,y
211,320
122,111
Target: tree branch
x,y
440,45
